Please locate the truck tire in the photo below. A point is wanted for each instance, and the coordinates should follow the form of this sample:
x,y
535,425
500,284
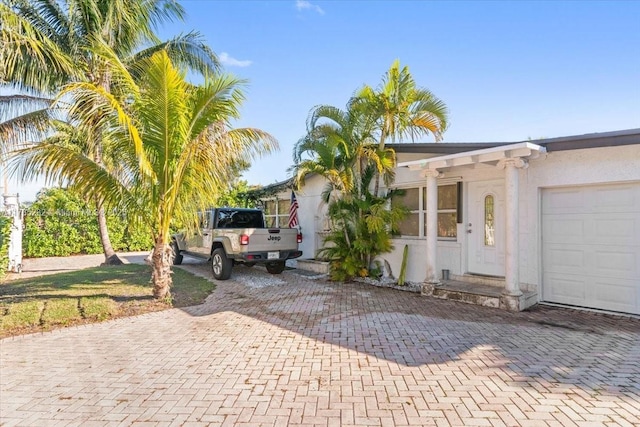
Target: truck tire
x,y
220,264
177,256
276,267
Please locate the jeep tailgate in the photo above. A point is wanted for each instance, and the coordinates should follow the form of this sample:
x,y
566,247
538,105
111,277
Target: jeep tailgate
x,y
271,239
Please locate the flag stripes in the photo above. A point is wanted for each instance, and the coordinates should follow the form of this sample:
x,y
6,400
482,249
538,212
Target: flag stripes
x,y
293,211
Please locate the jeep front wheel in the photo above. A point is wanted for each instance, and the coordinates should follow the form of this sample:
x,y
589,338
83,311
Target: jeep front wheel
x,y
220,264
276,267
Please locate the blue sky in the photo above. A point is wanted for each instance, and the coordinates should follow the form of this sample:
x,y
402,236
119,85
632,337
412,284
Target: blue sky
x,y
508,71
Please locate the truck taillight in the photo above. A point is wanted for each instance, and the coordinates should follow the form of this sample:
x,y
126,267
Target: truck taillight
x,y
299,237
244,239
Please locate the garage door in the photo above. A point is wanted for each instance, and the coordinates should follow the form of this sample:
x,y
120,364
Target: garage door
x,y
591,246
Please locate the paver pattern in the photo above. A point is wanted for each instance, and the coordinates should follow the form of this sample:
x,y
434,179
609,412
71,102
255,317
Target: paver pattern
x,y
293,351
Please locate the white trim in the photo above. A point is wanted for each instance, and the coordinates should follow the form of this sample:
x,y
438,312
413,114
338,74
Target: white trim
x,y
493,154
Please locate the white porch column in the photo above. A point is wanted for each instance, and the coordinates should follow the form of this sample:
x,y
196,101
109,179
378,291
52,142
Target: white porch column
x,y
512,249
432,228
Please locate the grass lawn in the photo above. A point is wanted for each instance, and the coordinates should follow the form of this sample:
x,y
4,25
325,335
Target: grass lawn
x,y
90,295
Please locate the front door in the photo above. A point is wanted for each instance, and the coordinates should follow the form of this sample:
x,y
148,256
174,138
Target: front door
x,y
486,228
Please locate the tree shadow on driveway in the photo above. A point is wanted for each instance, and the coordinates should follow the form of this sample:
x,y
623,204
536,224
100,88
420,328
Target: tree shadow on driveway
x,y
540,348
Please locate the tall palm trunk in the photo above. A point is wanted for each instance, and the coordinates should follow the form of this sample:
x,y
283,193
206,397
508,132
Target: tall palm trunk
x,y
110,256
161,269
376,177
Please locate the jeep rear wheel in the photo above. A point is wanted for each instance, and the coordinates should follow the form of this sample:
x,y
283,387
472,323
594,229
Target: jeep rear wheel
x,y
276,267
177,256
220,264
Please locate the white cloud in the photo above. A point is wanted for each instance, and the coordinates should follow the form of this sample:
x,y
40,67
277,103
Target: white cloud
x,y
232,62
304,4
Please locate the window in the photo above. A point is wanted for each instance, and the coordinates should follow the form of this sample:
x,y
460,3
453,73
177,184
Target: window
x,y
276,212
233,218
447,210
489,239
270,213
415,199
411,199
204,219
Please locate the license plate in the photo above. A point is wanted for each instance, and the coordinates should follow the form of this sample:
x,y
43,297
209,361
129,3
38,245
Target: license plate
x,y
273,255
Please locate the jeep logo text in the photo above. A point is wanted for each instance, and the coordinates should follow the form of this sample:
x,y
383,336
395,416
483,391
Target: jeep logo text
x,y
274,238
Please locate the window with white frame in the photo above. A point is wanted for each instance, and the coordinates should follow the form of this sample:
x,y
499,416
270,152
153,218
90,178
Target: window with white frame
x,y
276,212
449,211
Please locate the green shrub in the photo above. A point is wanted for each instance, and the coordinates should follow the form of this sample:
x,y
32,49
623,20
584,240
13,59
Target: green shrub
x,y
60,223
362,227
5,235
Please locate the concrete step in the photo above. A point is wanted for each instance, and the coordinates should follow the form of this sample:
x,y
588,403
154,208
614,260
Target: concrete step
x,y
477,296
496,281
487,295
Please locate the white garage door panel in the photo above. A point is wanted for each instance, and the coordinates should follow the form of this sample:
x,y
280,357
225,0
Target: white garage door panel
x,y
615,229
620,198
591,246
564,288
609,261
618,264
617,295
563,230
607,294
563,201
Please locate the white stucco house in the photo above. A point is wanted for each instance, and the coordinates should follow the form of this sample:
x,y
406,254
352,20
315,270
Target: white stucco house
x,y
553,220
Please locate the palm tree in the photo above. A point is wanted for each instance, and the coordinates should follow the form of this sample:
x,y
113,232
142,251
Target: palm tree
x,y
348,149
402,109
23,117
47,43
339,146
174,143
175,151
361,230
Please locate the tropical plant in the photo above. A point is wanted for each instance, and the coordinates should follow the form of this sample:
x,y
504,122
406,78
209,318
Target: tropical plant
x,y
61,223
361,229
175,147
403,266
339,146
402,109
47,43
23,117
348,149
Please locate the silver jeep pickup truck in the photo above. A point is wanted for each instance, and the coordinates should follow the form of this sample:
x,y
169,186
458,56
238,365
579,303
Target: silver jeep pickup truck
x,y
231,235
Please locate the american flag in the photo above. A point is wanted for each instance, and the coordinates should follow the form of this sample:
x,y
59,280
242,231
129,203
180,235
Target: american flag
x,y
293,211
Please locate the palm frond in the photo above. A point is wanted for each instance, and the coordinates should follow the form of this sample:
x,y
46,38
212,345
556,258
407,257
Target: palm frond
x,y
185,50
59,165
29,57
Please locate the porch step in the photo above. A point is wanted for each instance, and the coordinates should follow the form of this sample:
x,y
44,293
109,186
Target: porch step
x,y
487,295
495,281
471,293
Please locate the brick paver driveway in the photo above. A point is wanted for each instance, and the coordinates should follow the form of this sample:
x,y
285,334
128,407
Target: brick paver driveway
x,y
289,351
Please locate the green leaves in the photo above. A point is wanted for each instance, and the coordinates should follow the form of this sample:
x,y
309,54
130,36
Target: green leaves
x,y
60,223
402,109
347,148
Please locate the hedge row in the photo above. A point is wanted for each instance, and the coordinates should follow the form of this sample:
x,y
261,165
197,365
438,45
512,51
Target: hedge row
x,y
59,223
